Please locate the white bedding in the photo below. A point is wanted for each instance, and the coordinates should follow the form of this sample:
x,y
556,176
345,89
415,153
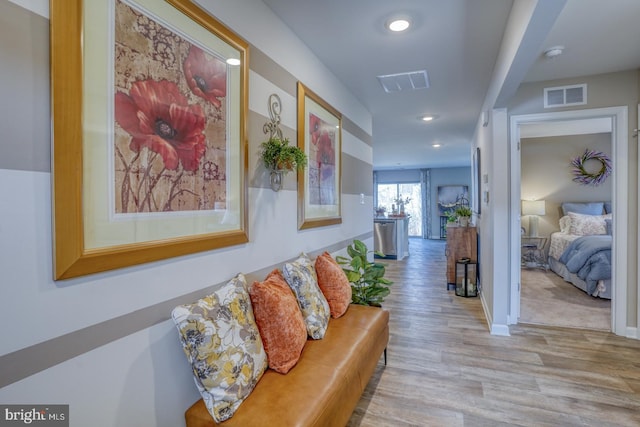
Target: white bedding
x,y
559,242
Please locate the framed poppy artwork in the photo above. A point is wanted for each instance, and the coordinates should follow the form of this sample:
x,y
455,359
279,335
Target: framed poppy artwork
x,y
149,103
320,136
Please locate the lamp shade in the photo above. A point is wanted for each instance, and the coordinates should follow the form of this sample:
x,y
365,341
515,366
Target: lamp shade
x,y
533,207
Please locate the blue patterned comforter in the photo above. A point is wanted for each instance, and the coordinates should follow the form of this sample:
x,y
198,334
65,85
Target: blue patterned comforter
x,y
589,257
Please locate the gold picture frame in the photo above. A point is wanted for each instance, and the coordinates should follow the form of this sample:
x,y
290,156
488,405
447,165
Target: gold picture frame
x,y
319,184
133,184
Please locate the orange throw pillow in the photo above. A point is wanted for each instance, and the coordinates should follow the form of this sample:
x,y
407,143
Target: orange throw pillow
x,y
334,284
279,321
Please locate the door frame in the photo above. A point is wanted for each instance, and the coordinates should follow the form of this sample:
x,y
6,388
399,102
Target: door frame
x,y
620,176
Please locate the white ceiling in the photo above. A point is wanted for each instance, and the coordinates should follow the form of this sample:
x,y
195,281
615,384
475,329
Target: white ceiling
x,y
456,42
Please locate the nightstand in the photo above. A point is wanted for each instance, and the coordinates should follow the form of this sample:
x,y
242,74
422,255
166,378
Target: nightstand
x,y
532,252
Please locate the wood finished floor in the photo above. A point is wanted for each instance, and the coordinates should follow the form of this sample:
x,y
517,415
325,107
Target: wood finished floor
x,y
445,369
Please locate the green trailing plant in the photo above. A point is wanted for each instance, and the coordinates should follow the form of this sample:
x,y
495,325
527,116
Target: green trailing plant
x,y
277,154
368,286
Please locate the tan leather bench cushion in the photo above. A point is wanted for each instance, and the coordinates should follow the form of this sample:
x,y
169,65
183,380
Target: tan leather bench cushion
x,y
324,387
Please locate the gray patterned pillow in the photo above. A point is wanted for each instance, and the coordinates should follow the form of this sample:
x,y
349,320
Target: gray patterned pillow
x,y
220,337
301,278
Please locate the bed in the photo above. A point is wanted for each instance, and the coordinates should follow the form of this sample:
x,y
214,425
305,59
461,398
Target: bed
x,y
580,252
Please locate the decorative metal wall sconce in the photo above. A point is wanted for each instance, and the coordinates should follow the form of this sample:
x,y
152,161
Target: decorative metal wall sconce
x,y
277,155
272,128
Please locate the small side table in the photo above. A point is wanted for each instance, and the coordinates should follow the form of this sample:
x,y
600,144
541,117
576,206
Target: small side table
x,y
533,253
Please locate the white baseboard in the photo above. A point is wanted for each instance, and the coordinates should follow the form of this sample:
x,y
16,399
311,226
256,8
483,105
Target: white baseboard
x,y
494,328
632,333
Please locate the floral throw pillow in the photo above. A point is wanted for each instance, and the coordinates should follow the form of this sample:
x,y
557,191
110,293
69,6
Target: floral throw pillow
x,y
334,284
221,340
588,225
565,224
301,278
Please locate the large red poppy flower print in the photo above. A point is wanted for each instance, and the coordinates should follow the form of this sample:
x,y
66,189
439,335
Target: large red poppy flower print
x,y
158,117
326,153
206,76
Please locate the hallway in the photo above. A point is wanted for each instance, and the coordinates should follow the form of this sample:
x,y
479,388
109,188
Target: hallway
x,y
445,369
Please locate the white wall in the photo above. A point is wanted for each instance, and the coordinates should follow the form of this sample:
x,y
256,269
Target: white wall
x,y
529,23
103,343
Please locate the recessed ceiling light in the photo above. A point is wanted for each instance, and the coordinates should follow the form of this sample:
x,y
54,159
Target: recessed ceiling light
x,y
435,145
233,61
554,51
398,25
427,117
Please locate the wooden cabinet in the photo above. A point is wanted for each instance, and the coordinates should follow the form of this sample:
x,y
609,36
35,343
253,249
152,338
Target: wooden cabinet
x,y
462,242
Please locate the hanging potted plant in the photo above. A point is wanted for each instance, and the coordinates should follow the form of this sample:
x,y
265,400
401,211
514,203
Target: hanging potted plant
x,y
368,286
280,158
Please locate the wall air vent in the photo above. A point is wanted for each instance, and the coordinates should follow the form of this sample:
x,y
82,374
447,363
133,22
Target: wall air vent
x,y
412,80
564,96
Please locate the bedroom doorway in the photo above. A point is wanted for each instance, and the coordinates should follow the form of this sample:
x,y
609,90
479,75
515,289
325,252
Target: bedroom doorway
x,y
549,294
617,118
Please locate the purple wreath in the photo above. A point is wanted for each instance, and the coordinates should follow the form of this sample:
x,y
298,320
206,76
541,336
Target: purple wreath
x,y
582,176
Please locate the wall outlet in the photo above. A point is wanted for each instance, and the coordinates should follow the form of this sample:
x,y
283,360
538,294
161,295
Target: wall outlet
x,y
362,198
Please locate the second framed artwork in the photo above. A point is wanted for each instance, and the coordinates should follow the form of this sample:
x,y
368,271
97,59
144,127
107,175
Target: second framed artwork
x,y
319,184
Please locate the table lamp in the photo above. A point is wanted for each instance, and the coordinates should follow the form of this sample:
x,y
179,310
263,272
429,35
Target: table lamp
x,y
533,208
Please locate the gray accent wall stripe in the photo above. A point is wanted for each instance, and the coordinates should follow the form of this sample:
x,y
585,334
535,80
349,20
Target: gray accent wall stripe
x,y
25,115
357,131
38,357
272,71
357,176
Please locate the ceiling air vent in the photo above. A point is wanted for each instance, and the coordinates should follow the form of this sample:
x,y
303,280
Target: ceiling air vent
x,y
413,80
564,96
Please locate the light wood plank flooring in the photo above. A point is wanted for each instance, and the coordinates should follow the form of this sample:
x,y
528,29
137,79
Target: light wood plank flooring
x,y
445,369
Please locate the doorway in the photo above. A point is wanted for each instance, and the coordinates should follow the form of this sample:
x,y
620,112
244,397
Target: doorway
x,y
618,120
549,294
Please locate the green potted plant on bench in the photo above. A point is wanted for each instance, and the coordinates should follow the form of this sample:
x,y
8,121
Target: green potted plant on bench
x,y
368,285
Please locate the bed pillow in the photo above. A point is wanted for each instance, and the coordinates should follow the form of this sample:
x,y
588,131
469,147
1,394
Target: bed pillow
x,y
279,320
608,224
587,225
608,208
334,284
565,224
301,278
589,208
220,337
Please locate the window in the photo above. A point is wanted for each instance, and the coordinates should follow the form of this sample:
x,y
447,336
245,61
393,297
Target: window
x,y
387,194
